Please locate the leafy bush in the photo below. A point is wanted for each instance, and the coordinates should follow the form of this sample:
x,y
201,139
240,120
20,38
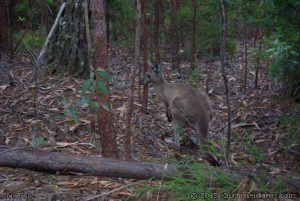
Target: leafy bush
x,y
34,39
289,126
122,17
285,56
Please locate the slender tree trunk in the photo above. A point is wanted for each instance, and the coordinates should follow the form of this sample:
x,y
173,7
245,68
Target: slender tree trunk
x,y
134,69
194,34
5,24
89,43
45,15
144,43
105,125
223,62
156,31
258,61
245,58
174,35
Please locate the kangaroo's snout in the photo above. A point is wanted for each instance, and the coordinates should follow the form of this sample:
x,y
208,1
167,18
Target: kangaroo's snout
x,y
145,80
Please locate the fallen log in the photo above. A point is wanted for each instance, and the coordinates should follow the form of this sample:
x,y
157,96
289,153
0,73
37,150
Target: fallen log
x,y
64,163
69,163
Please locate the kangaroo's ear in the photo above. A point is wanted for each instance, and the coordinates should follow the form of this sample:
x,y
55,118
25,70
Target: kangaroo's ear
x,y
157,69
150,64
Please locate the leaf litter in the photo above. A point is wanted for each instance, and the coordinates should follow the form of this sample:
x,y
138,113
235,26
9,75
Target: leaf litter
x,y
255,118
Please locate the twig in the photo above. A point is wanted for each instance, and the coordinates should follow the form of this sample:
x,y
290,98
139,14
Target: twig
x,y
166,166
116,190
35,81
226,125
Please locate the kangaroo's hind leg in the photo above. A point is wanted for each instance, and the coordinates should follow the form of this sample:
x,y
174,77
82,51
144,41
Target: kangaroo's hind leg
x,y
202,130
176,130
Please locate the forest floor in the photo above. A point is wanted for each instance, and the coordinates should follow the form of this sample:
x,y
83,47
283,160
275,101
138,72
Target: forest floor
x,y
261,139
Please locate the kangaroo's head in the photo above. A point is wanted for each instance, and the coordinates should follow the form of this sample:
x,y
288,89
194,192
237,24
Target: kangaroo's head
x,y
154,76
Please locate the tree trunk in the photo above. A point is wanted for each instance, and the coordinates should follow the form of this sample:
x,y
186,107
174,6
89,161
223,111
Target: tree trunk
x,y
258,59
144,44
192,61
68,163
156,31
174,35
134,69
245,58
105,125
89,42
223,62
5,25
45,15
68,51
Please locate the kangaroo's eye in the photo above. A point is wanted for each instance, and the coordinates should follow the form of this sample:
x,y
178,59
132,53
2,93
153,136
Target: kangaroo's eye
x,y
148,76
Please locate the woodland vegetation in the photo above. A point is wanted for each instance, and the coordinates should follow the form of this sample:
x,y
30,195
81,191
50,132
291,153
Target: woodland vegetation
x,y
78,121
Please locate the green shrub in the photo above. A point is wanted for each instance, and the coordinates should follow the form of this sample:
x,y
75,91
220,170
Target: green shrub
x,y
34,39
290,131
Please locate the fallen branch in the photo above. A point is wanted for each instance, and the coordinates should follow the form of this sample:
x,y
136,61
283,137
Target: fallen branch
x,y
68,163
63,163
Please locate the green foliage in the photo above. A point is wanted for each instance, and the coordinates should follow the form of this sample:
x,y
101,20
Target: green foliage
x,y
257,153
72,112
28,12
34,39
106,106
101,86
122,16
51,2
195,77
104,75
280,23
94,105
286,57
208,183
194,178
86,85
70,109
212,148
22,7
290,128
231,47
37,142
208,28
185,13
283,42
